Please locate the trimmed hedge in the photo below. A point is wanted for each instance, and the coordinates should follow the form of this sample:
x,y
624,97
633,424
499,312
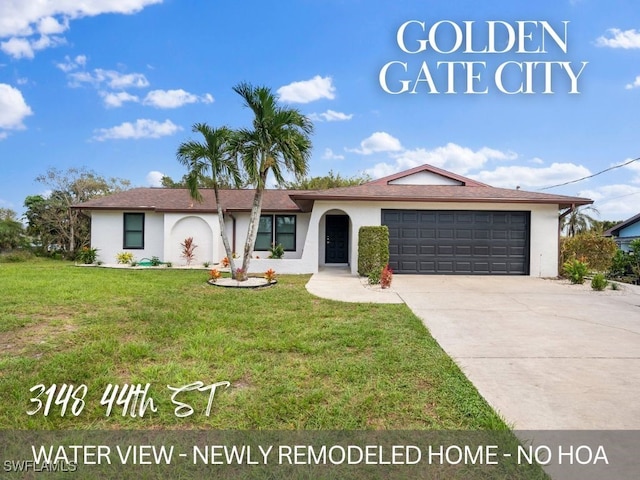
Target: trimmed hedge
x,y
373,249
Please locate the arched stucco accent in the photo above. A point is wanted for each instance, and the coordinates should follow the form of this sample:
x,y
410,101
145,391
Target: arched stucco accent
x,y
323,236
199,229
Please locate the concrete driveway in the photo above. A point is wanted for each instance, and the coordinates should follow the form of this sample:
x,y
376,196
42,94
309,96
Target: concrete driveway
x,y
545,354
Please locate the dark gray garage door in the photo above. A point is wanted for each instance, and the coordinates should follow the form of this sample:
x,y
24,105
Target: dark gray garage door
x,y
458,241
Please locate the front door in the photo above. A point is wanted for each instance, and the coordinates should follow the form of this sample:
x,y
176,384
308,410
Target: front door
x,y
337,239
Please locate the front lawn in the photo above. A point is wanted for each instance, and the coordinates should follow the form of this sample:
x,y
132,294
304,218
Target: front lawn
x,y
293,361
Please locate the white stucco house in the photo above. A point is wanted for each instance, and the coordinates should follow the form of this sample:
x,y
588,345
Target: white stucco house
x,y
439,223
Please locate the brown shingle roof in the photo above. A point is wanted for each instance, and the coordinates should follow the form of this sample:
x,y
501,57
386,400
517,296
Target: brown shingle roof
x,y
436,193
471,191
178,200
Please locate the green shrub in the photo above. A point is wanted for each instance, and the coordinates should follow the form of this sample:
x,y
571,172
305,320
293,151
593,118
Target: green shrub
x,y
575,270
374,277
621,265
124,257
373,249
590,248
155,262
276,251
598,282
87,255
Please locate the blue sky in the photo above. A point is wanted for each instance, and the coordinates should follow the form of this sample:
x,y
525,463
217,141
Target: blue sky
x,y
115,86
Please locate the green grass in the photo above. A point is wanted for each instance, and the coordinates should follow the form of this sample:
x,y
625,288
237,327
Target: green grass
x,y
294,361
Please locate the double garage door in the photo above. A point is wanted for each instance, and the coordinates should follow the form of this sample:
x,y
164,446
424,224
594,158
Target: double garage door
x,y
458,241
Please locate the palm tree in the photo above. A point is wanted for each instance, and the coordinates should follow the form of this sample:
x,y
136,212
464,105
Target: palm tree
x,y
211,159
278,142
578,221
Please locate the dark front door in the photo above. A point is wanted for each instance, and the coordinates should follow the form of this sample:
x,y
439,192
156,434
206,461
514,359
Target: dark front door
x,y
337,239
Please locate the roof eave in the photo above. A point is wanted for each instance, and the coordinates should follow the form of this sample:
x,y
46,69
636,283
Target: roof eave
x,y
562,203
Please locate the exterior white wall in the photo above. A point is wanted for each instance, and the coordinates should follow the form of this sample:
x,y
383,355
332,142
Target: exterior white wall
x,y
107,235
165,232
204,229
242,226
543,254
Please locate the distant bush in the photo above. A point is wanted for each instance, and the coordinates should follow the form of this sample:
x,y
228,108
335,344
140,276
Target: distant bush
x,y
16,256
590,248
621,265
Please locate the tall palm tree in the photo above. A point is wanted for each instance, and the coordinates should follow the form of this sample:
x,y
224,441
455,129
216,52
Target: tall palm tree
x,y
278,142
212,159
578,221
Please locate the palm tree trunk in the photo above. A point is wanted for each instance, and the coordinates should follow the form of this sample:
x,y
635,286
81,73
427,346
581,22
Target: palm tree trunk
x,y
223,233
254,222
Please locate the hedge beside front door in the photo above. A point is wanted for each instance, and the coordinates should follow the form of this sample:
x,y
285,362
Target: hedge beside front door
x,y
458,241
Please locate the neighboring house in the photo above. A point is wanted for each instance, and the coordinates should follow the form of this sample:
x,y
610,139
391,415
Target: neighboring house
x,y
625,232
439,223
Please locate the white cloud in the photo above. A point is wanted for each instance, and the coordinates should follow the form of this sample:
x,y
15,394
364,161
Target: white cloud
x,y
70,64
142,128
154,178
330,155
110,78
635,168
117,99
174,98
451,157
17,48
528,177
21,20
634,84
51,26
614,202
308,90
617,38
330,116
378,142
13,109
